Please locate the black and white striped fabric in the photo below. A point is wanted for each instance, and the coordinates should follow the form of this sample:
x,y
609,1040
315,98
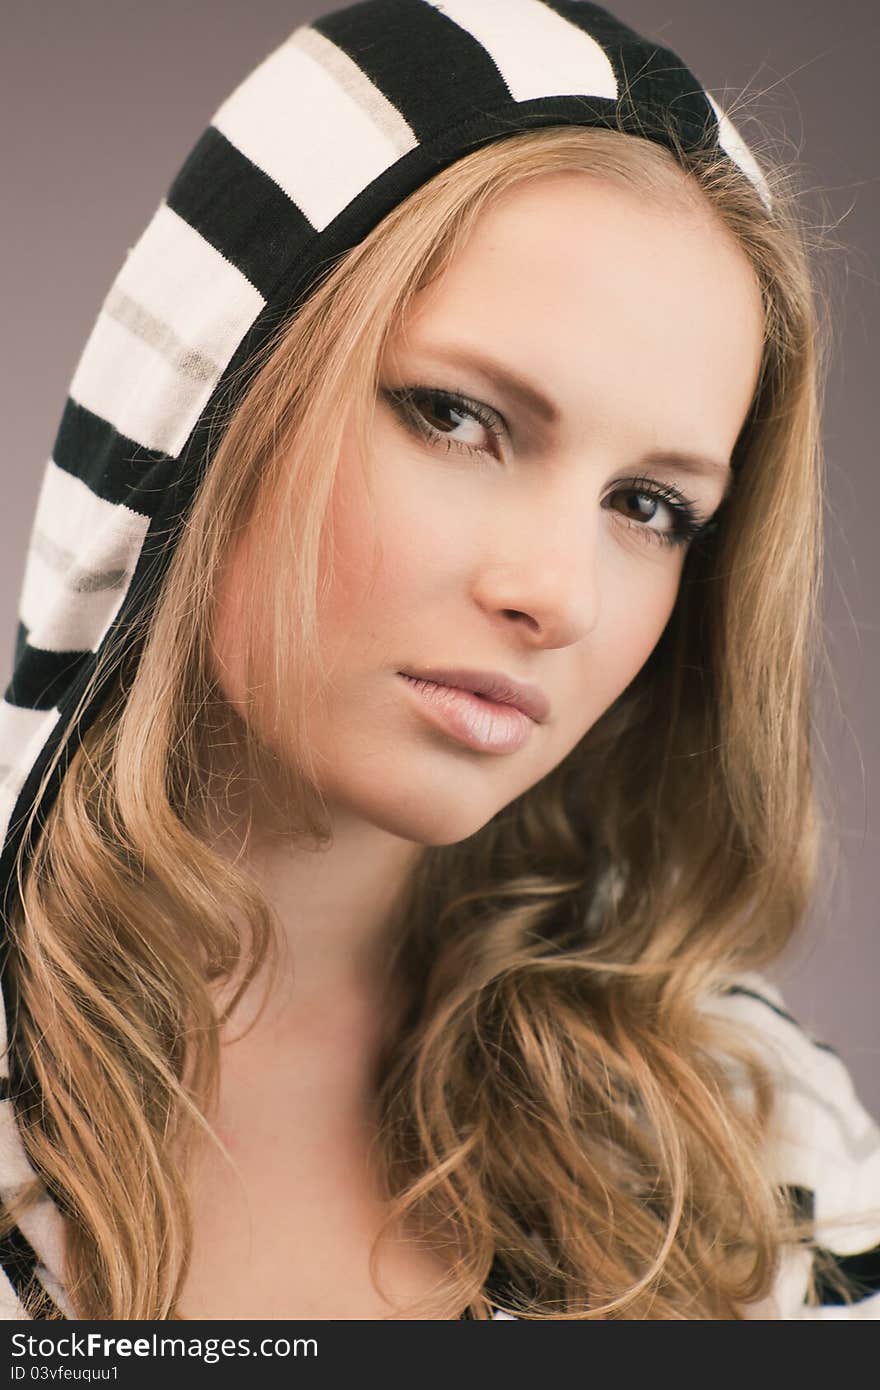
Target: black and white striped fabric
x,y
343,120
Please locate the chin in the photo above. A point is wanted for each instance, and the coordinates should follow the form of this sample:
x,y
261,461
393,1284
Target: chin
x,y
424,815
434,824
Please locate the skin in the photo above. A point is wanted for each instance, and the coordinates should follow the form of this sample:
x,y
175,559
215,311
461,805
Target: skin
x,y
645,330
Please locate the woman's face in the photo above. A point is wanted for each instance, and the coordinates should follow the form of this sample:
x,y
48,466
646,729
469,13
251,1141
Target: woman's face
x,y
530,531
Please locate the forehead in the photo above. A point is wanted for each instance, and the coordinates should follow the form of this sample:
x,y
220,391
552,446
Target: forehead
x,y
635,312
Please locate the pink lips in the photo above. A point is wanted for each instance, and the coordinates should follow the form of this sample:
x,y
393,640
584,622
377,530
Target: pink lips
x,y
494,685
474,720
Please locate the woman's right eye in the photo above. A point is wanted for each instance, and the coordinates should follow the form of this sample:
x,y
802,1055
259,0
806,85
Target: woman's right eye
x,y
436,415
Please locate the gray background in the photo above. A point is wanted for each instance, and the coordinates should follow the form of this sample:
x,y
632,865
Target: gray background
x,y
103,98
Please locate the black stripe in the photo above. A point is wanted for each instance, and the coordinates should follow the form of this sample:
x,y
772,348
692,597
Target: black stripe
x,y
861,1272
425,65
114,467
19,1262
239,210
802,1200
651,79
781,1013
41,678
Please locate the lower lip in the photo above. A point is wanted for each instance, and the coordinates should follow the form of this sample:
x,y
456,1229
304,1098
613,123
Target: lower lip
x,y
482,724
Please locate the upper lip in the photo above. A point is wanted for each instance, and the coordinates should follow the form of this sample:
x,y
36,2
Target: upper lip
x,y
495,685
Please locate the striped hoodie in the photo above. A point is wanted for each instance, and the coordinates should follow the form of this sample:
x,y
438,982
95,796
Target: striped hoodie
x,y
337,125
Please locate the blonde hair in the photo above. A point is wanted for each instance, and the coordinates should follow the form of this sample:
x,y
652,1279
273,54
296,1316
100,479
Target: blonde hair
x,y
553,1097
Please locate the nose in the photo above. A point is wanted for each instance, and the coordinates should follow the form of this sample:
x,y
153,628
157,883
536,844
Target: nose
x,y
551,586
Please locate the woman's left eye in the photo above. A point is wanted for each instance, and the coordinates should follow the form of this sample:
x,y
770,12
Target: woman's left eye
x,y
434,415
686,520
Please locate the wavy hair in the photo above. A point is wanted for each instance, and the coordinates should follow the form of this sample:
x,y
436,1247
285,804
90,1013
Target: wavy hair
x,y
557,1106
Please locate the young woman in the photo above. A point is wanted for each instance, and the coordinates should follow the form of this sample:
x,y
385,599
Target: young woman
x,y
407,757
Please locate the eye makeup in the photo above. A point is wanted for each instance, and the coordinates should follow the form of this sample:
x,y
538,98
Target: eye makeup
x,y
413,405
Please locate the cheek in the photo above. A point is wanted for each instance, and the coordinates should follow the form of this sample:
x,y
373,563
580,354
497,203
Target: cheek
x,y
635,612
352,566
389,548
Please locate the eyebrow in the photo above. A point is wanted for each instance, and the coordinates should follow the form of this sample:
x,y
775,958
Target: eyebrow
x,y
510,382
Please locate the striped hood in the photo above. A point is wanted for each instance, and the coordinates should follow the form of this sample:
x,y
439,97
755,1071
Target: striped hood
x,y
343,120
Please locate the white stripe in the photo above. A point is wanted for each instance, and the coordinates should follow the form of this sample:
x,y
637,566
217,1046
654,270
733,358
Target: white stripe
x,y
134,389
821,1136
172,320
309,117
537,52
10,1308
184,283
15,1167
23,733
56,1290
42,1225
786,1297
736,148
81,557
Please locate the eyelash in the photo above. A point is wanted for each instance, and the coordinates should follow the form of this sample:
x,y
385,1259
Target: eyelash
x,y
687,522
